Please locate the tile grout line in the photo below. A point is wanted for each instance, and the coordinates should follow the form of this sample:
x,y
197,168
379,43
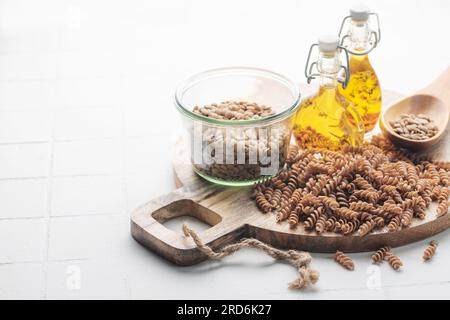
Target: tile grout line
x,y
61,176
55,78
22,218
63,140
49,199
99,214
40,262
134,74
124,192
18,143
57,176
69,140
391,286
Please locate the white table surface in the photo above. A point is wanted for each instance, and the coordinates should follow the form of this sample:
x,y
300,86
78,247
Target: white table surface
x,y
86,123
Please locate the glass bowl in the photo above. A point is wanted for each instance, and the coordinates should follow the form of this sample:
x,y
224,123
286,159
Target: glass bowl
x,y
238,152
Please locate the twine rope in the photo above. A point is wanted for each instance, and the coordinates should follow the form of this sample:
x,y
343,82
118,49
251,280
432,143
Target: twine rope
x,y
299,259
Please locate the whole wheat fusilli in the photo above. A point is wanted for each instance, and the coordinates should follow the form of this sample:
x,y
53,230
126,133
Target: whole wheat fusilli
x,y
430,251
344,260
358,190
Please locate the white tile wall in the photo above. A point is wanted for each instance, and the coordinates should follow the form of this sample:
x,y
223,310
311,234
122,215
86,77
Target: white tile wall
x,y
28,66
100,122
24,160
26,95
75,64
82,237
22,240
13,204
86,195
22,281
139,188
87,157
138,121
87,91
436,291
25,126
143,151
86,279
152,92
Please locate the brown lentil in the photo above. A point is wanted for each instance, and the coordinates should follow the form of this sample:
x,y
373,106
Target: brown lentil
x,y
251,139
234,110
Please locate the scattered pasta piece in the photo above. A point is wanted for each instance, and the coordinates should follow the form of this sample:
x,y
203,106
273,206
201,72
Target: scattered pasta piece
x,y
394,261
379,255
430,251
344,260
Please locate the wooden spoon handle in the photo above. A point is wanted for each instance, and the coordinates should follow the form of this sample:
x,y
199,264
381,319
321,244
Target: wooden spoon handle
x,y
440,87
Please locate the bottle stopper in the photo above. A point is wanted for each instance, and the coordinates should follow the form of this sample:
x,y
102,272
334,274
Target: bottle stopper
x,y
328,43
360,12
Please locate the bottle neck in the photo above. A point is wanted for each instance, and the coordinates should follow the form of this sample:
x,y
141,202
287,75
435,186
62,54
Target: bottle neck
x,y
326,82
329,65
359,35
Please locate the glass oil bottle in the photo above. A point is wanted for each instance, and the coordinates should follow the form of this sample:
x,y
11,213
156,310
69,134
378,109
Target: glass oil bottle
x,y
363,89
327,120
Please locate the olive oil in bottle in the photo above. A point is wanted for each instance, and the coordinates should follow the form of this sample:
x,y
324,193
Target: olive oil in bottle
x,y
327,120
363,89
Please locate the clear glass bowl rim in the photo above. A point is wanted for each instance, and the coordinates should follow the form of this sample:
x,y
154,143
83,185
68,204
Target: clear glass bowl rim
x,y
192,80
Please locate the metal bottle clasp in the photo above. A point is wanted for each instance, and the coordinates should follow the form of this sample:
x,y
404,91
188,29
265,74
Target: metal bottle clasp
x,y
374,39
312,70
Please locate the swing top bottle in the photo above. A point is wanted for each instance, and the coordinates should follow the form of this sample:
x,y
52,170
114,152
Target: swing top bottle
x,y
327,120
360,38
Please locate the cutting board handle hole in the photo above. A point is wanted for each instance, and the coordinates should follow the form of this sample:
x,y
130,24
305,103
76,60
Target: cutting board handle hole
x,y
186,210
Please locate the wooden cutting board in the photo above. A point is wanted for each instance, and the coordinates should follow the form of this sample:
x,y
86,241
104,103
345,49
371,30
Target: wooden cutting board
x,y
232,216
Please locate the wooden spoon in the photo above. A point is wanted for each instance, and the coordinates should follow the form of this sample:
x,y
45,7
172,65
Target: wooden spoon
x,y
433,100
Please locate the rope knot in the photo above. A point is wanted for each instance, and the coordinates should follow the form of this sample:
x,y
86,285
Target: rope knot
x,y
299,259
